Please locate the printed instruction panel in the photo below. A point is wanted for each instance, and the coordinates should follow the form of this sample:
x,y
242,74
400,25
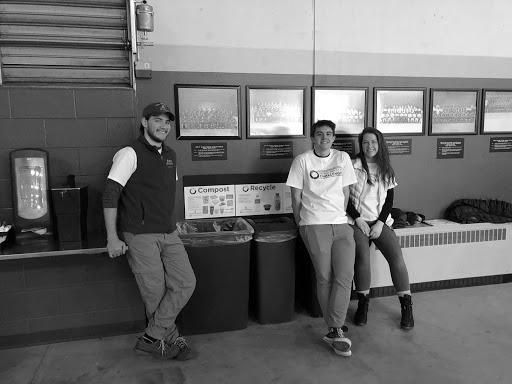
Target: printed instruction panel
x,y
237,200
209,201
262,199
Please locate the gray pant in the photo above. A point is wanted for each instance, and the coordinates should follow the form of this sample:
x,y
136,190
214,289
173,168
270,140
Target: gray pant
x,y
332,251
165,279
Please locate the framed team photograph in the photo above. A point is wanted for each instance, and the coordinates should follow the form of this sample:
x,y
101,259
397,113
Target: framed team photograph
x,y
275,112
207,112
399,111
454,112
345,106
497,111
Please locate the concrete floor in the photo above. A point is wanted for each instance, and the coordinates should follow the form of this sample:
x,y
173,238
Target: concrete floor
x,y
461,336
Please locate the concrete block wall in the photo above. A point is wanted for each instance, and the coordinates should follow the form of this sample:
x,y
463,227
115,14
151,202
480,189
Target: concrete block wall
x,y
56,298
81,128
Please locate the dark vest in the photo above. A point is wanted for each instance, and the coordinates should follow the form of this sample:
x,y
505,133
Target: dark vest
x,y
147,200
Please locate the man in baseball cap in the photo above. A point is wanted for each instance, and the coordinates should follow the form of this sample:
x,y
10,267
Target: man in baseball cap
x,y
155,109
138,205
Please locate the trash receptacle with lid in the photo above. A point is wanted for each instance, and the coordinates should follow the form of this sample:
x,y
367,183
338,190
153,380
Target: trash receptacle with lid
x,y
219,252
273,268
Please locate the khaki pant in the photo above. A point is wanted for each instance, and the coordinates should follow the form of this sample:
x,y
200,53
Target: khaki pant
x,y
165,278
332,251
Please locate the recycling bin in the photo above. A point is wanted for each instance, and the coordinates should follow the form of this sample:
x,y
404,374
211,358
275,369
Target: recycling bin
x,y
219,253
272,294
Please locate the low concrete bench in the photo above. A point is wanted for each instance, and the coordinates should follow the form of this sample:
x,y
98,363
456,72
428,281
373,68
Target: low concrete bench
x,y
448,255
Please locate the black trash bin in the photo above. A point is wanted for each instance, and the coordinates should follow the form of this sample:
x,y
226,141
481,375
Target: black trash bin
x,y
273,269
219,252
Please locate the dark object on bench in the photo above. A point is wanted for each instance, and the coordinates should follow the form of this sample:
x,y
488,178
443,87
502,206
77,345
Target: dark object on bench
x,y
7,235
404,219
468,211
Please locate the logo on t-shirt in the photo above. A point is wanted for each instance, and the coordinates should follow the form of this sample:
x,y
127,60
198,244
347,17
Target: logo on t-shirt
x,y
326,173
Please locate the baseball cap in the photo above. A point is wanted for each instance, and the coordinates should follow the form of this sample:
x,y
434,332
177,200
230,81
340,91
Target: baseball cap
x,y
156,109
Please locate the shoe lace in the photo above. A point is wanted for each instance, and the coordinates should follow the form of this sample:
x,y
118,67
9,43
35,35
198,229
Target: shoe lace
x,y
181,343
408,314
162,347
407,309
337,331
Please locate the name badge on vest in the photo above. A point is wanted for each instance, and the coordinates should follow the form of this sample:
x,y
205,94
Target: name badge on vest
x,y
169,163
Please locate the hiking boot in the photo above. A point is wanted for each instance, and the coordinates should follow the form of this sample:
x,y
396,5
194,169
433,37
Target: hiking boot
x,y
407,321
361,316
146,346
184,352
338,342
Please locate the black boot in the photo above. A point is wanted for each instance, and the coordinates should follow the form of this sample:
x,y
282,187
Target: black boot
x,y
361,316
407,321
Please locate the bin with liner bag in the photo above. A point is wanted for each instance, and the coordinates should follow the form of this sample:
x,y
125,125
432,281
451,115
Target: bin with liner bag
x,y
273,269
219,252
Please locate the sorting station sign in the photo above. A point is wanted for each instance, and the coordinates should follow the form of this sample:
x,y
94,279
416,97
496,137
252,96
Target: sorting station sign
x,y
263,199
237,200
209,201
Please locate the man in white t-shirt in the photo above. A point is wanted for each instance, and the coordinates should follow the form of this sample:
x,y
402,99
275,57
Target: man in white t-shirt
x,y
319,179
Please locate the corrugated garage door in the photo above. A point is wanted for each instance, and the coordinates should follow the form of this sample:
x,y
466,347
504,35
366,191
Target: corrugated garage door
x,y
65,42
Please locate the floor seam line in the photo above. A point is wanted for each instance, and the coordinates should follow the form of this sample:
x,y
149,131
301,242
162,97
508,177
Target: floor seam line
x,y
38,368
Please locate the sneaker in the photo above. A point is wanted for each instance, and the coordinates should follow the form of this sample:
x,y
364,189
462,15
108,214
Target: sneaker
x,y
146,346
339,343
165,351
184,352
407,321
361,316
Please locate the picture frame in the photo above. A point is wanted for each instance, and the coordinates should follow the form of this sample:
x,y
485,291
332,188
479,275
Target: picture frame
x,y
399,111
275,112
207,112
345,106
496,111
454,111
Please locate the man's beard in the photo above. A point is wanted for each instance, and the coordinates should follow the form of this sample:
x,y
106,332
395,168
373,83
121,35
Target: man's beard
x,y
153,137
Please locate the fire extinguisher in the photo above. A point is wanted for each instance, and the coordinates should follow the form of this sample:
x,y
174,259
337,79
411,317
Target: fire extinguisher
x,y
145,17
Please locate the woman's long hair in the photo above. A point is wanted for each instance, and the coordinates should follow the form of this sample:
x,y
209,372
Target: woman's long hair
x,y
386,172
